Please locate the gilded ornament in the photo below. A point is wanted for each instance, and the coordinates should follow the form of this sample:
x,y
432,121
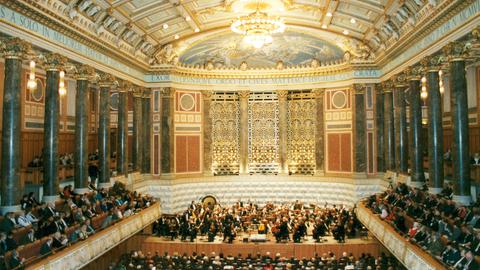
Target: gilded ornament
x,y
207,94
138,91
243,94
84,72
400,80
413,73
53,61
106,80
14,48
167,92
387,86
282,94
124,86
456,50
432,63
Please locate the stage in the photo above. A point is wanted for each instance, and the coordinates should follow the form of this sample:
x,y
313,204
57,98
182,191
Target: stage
x,y
306,249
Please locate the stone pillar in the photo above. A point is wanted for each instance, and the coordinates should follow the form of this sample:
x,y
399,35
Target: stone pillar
x,y
456,52
207,133
243,97
80,170
147,120
379,123
319,133
106,83
122,128
283,130
53,64
416,143
14,51
401,137
389,127
167,139
360,131
137,130
435,128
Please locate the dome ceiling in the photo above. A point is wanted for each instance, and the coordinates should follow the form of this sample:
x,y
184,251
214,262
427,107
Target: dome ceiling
x,y
229,49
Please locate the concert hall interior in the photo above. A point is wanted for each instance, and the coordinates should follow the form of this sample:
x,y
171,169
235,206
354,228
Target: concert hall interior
x,y
240,134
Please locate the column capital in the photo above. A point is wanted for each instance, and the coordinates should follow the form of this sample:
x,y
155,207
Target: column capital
x,y
282,94
146,93
456,51
15,48
387,86
137,92
84,72
106,80
413,73
124,86
243,94
167,92
53,61
432,63
207,94
318,92
400,80
358,88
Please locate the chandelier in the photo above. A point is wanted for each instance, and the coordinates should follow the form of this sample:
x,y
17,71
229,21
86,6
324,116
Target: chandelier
x,y
258,28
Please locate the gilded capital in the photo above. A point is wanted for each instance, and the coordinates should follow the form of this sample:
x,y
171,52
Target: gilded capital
x,y
137,92
15,48
124,86
456,50
400,80
476,34
432,63
207,94
282,93
387,86
84,72
53,61
244,94
146,93
358,88
106,80
167,92
319,92
413,73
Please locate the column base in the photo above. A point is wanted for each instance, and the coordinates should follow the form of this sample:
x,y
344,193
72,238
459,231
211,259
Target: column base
x,y
81,190
105,185
319,173
10,208
168,176
464,200
359,175
416,184
435,190
51,198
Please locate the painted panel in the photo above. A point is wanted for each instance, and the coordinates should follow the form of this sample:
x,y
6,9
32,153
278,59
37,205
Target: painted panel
x,y
333,147
346,152
370,152
181,154
193,143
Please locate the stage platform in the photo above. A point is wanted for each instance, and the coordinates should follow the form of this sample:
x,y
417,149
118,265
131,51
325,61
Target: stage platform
x,y
305,249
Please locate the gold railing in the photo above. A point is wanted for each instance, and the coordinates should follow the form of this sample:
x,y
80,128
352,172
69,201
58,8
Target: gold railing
x,y
82,253
410,255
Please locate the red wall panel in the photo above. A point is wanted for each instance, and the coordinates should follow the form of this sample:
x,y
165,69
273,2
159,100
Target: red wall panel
x,y
339,149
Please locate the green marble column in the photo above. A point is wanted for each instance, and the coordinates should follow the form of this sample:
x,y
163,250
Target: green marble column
x,y
53,64
435,128
146,119
106,83
137,130
319,136
416,147
379,131
243,97
80,168
283,130
207,133
456,52
167,139
360,131
389,126
122,129
401,136
11,187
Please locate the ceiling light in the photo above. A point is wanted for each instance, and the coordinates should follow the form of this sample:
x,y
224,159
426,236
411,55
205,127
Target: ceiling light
x,y
187,18
165,26
329,14
324,26
345,32
197,30
258,28
177,37
352,20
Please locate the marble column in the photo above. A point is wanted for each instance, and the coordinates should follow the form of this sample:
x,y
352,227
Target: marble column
x,y
53,64
319,135
147,119
456,52
106,83
416,146
283,130
80,169
137,154
207,133
11,187
435,129
360,131
389,126
379,132
167,139
401,136
122,128
243,97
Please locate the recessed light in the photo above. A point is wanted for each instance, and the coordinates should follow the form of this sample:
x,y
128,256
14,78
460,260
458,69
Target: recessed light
x,y
177,37
345,32
324,26
352,20
329,14
165,26
187,18
197,30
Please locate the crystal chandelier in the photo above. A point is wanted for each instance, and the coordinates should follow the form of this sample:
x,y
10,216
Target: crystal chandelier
x,y
258,28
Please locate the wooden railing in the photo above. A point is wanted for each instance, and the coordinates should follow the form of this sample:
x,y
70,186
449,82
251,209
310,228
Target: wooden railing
x,y
83,252
410,255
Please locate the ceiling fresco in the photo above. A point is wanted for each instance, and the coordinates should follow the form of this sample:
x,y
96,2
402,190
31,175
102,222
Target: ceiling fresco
x,y
293,48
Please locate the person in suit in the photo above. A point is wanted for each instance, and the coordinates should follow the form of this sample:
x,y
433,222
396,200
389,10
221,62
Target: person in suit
x,y
15,261
46,247
11,242
450,255
466,262
8,223
3,244
28,238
